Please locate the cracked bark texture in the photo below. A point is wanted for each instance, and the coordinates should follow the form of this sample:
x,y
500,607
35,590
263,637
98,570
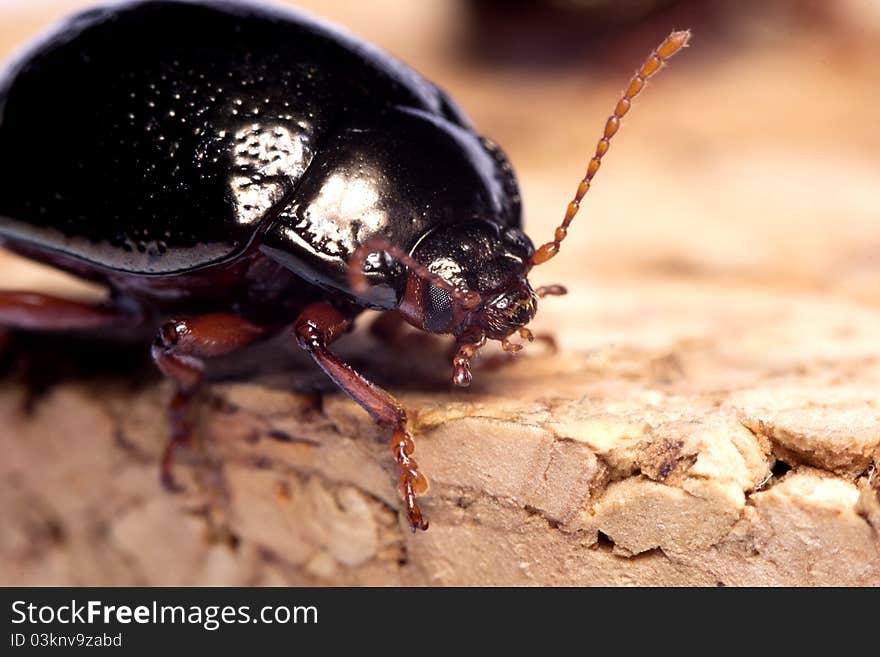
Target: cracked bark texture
x,y
712,417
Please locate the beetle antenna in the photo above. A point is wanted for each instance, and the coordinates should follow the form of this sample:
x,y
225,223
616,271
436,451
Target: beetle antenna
x,y
655,61
358,281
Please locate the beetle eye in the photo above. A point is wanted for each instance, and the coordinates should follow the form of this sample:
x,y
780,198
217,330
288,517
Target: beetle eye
x,y
438,309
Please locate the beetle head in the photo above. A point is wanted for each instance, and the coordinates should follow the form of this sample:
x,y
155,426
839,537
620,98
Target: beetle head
x,y
470,279
485,265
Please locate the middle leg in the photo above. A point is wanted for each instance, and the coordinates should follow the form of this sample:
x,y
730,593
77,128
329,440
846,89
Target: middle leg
x,y
179,351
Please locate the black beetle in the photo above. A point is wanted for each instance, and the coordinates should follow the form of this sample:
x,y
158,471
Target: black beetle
x,y
227,170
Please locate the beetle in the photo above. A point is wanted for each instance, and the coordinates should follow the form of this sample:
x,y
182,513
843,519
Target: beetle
x,y
253,169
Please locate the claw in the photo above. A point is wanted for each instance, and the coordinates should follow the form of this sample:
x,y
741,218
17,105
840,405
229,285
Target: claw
x,y
412,482
461,375
413,512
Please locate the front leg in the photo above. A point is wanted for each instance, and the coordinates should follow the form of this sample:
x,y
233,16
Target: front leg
x,y
179,351
318,326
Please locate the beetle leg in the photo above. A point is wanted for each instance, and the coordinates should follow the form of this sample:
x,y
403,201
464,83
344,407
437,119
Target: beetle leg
x,y
461,362
319,325
178,351
33,311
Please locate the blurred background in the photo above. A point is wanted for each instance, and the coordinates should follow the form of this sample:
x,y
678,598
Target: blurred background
x,y
733,232
753,160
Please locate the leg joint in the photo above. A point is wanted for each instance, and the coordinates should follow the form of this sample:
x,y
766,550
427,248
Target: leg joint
x,y
170,333
309,337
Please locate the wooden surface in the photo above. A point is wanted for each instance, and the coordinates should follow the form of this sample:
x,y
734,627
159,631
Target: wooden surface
x,y
711,418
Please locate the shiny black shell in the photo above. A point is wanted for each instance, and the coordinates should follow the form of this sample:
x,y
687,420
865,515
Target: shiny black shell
x,y
156,138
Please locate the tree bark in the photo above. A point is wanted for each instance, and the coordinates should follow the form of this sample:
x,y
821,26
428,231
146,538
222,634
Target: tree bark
x,y
717,459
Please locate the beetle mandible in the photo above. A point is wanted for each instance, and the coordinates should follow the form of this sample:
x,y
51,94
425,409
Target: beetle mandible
x,y
229,170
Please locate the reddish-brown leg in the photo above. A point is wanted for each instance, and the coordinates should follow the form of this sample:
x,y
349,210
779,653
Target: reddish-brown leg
x,y
462,353
179,350
317,327
32,311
